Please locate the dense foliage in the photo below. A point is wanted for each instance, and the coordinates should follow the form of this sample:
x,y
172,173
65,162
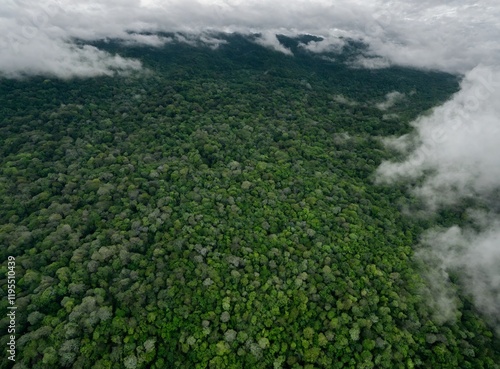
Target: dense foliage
x,y
219,211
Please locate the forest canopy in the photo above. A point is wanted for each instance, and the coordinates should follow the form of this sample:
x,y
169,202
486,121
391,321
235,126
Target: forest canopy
x,y
218,209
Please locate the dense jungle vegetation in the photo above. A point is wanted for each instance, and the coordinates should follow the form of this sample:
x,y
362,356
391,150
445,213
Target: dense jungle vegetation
x,y
218,210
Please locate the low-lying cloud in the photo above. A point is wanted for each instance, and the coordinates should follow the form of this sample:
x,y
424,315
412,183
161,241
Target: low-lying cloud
x,y
373,62
454,153
440,35
269,39
65,60
457,145
475,257
391,99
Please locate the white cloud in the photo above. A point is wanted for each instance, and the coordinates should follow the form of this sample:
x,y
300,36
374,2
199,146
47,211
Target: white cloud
x,y
269,39
391,99
452,36
33,42
475,256
341,99
459,142
373,62
65,60
330,43
455,151
201,39
147,40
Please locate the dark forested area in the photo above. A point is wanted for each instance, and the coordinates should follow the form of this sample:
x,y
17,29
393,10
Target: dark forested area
x,y
218,210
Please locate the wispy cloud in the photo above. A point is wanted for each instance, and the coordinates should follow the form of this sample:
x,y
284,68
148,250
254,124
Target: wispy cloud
x,y
341,99
371,62
441,35
455,152
458,144
475,257
391,99
269,39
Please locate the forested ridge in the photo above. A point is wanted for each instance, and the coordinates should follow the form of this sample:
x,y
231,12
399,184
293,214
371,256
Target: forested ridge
x,y
218,210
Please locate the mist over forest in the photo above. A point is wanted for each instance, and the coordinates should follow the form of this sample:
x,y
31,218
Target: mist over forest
x,y
226,184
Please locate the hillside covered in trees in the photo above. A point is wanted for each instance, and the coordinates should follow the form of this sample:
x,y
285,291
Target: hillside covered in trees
x,y
218,210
